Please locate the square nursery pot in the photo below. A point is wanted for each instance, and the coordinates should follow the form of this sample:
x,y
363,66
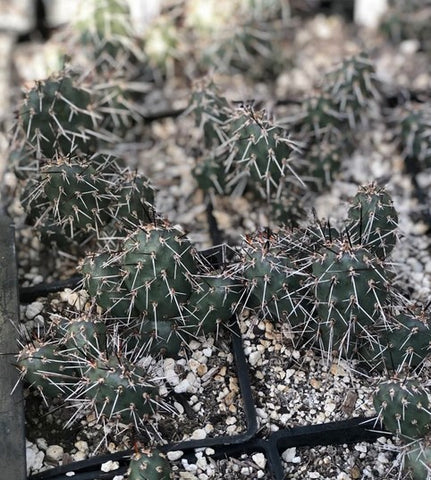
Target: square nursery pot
x,y
12,438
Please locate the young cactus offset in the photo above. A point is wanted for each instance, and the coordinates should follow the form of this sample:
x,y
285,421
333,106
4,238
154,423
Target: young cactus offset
x,y
149,464
351,287
402,343
354,88
117,389
45,367
372,220
417,459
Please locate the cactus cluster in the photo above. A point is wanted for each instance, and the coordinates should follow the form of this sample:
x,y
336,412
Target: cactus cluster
x,y
245,153
160,289
74,199
79,362
335,289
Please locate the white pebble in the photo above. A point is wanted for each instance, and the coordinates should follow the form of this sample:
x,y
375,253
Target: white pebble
x,y
33,309
109,466
259,459
174,455
34,458
82,446
199,434
289,454
54,453
254,358
313,475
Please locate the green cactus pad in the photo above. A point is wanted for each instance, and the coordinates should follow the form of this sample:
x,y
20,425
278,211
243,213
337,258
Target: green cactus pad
x,y
149,464
350,289
372,220
404,408
57,116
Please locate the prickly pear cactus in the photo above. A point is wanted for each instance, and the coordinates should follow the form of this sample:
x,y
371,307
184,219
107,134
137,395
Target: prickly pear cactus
x,y
158,265
105,283
149,464
158,290
57,116
212,303
351,286
404,408
107,30
354,89
414,122
372,220
84,334
45,367
117,389
402,342
72,200
274,283
417,459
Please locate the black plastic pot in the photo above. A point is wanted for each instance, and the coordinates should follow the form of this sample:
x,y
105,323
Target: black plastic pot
x,y
12,438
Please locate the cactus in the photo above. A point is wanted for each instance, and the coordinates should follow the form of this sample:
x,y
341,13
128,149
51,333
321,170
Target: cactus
x,y
73,199
372,220
117,389
105,26
45,367
413,132
274,283
149,464
85,335
160,292
403,407
417,459
402,342
58,116
159,264
351,287
212,303
354,89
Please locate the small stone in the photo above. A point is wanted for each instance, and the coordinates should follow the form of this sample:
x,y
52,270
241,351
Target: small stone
x,y
34,458
41,443
82,446
109,466
33,309
313,475
259,459
289,454
199,434
254,358
54,453
174,455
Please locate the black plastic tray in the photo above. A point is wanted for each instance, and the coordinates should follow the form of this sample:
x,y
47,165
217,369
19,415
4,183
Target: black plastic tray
x,y
248,442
